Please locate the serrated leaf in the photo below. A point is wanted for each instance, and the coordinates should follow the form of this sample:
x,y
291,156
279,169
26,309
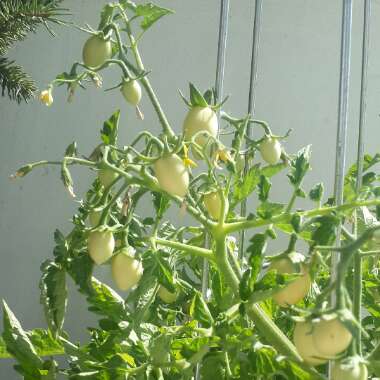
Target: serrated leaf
x,y
53,294
104,300
109,132
264,187
44,342
246,185
161,204
105,16
150,13
164,272
325,231
80,269
18,343
267,210
256,251
299,166
200,311
316,193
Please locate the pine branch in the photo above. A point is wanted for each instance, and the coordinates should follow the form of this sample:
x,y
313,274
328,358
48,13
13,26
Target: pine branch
x,y
20,17
15,82
17,19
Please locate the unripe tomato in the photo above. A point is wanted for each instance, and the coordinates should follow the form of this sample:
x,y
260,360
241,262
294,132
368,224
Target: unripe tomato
x,y
303,340
106,176
126,271
100,246
96,51
270,150
200,119
131,91
94,218
172,175
358,371
166,296
213,204
331,337
297,289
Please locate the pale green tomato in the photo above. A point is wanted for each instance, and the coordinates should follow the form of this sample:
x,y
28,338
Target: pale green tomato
x,y
106,176
297,289
270,150
172,175
131,91
303,340
213,204
94,218
126,271
358,371
166,296
96,51
331,337
200,119
100,246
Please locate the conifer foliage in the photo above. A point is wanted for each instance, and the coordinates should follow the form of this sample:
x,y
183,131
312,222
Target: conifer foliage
x,y
17,19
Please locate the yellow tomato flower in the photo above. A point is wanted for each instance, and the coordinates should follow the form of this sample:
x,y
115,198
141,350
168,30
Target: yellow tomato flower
x,y
46,97
188,162
221,154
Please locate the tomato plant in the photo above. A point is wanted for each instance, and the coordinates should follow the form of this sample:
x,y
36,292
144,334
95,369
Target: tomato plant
x,y
197,302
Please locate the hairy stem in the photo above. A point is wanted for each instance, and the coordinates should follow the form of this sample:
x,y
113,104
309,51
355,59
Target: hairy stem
x,y
193,250
247,224
145,81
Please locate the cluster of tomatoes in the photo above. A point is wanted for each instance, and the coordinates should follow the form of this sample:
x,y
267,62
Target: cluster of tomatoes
x,y
317,341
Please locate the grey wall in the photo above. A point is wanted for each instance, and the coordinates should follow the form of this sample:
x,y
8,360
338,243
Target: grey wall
x,y
297,89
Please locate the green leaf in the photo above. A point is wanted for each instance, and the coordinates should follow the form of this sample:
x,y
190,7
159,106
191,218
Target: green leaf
x,y
61,251
209,96
325,231
200,311
54,294
164,272
150,13
45,343
71,150
80,268
196,98
105,16
105,301
264,187
66,178
19,345
109,132
316,193
299,166
161,204
267,210
246,185
271,170
3,349
256,252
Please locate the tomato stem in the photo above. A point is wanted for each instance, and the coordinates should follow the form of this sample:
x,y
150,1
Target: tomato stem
x,y
144,80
